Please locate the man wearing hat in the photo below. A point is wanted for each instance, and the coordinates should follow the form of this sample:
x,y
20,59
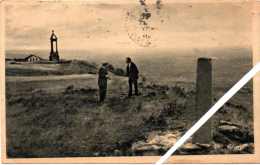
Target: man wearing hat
x,y
102,81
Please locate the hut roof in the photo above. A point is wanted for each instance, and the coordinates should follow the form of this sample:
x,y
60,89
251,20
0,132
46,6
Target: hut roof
x,y
32,55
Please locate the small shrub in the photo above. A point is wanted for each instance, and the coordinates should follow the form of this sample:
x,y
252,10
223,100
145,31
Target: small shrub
x,y
119,72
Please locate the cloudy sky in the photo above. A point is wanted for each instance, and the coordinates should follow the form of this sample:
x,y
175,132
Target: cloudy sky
x,y
106,25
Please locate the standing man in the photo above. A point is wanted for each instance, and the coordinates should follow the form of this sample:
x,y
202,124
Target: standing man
x,y
132,73
102,81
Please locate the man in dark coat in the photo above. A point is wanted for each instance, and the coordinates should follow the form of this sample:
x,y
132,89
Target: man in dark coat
x,y
132,73
102,81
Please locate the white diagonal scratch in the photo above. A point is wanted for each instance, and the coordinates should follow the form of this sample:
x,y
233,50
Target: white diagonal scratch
x,y
231,92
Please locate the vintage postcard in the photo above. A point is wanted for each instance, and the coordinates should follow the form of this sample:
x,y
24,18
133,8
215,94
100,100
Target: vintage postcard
x,y
120,81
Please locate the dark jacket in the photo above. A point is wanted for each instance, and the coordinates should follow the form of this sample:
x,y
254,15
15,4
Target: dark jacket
x,y
132,71
102,77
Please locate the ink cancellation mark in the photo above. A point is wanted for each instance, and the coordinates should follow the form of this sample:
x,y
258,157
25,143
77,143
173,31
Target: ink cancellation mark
x,y
141,23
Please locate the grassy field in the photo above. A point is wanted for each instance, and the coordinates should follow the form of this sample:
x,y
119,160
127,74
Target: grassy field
x,y
52,109
59,116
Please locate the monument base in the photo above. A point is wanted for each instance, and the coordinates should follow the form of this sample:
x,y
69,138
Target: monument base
x,y
54,57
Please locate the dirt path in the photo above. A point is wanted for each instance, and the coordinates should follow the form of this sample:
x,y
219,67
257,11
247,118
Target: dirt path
x,y
48,78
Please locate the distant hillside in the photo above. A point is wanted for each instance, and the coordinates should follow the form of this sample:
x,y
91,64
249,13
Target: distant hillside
x,y
65,68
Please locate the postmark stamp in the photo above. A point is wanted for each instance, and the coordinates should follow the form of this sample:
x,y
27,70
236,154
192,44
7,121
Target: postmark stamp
x,y
142,22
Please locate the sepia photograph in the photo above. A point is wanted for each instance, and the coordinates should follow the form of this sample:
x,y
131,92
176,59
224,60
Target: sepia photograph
x,y
128,78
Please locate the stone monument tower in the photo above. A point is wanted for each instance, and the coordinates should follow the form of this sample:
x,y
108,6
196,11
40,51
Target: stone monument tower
x,y
54,54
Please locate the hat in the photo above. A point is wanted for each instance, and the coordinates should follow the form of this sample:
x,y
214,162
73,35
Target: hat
x,y
105,64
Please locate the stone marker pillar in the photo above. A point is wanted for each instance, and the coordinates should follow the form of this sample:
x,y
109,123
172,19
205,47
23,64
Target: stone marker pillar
x,y
203,100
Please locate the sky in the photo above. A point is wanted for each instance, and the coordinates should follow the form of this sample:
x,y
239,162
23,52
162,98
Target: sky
x,y
113,25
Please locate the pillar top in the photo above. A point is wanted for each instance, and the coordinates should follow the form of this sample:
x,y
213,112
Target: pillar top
x,y
53,36
204,59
